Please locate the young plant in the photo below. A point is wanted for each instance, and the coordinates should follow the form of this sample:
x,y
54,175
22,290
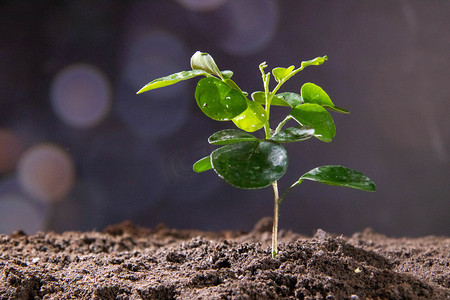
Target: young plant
x,y
246,161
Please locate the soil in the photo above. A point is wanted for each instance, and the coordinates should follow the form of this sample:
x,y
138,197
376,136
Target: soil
x,y
129,262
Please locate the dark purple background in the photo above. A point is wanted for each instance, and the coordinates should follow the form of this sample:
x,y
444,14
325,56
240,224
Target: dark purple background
x,y
388,64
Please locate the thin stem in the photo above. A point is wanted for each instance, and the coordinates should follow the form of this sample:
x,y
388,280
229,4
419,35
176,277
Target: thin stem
x,y
268,97
275,90
275,220
282,123
267,129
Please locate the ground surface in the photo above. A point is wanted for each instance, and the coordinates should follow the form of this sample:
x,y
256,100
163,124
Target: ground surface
x,y
128,262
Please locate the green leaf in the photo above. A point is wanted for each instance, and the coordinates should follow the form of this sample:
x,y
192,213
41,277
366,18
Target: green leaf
x,y
281,73
293,99
171,79
260,97
315,116
336,109
339,176
312,93
203,165
230,136
226,74
314,62
204,61
250,165
252,119
218,100
233,84
293,134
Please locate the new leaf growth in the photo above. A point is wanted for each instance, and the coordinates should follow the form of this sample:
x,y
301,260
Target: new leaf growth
x,y
265,159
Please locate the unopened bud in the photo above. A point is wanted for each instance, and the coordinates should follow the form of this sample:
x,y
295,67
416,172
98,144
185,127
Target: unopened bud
x,y
204,61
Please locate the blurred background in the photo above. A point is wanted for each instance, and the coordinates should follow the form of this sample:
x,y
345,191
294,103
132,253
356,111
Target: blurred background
x,y
79,150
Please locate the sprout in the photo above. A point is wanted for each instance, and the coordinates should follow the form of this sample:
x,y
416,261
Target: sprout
x,y
248,162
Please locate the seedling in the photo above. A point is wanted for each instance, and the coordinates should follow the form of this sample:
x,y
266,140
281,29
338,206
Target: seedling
x,y
246,161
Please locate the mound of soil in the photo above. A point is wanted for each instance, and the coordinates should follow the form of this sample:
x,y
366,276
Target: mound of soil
x,y
129,262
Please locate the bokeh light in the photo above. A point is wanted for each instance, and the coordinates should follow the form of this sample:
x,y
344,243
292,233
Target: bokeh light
x,y
252,25
159,112
46,172
154,43
81,95
10,150
202,5
239,27
72,81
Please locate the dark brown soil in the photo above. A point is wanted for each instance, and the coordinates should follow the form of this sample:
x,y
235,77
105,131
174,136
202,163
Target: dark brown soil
x,y
129,262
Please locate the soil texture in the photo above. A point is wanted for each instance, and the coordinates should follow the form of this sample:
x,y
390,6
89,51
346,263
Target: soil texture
x,y
129,262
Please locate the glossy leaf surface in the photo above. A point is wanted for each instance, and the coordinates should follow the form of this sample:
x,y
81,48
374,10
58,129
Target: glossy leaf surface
x,y
314,62
171,79
260,98
233,84
312,93
250,165
293,99
230,136
281,73
218,100
252,119
315,116
339,176
203,165
204,61
293,134
227,74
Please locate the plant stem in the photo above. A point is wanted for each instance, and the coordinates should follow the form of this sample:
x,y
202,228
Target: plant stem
x,y
268,97
282,123
275,220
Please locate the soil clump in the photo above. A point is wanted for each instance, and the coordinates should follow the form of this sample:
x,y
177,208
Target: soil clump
x,y
130,262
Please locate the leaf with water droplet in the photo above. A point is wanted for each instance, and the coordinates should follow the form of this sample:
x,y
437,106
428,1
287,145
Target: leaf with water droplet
x,y
260,97
252,119
230,136
293,134
171,79
339,176
293,99
218,100
250,165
